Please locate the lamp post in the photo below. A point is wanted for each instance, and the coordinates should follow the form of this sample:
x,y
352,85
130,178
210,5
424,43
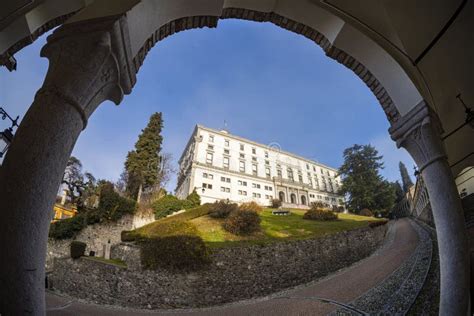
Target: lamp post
x,y
6,137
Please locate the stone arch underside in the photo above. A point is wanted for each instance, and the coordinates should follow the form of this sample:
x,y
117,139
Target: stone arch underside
x,y
413,125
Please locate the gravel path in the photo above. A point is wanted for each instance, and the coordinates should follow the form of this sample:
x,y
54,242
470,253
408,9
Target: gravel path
x,y
342,287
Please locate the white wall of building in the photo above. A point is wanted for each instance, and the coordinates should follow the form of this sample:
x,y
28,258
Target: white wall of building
x,y
222,166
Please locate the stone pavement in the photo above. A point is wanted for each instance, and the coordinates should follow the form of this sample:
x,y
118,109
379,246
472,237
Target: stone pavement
x,y
342,287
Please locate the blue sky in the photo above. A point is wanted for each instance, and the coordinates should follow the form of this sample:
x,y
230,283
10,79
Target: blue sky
x,y
270,85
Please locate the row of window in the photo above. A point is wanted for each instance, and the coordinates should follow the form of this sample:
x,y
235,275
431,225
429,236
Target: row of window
x,y
255,195
254,152
239,182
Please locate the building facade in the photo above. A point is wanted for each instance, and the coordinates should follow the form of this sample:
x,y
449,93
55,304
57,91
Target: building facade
x,y
222,166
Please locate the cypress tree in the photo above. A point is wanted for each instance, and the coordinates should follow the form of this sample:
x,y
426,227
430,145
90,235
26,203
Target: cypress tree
x,y
406,180
142,165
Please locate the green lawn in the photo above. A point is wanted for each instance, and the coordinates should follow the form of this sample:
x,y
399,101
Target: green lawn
x,y
277,228
274,228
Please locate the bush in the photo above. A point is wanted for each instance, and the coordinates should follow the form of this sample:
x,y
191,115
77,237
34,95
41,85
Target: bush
x,y
318,214
276,203
67,228
251,206
78,249
167,205
222,209
174,253
242,222
112,206
366,212
193,200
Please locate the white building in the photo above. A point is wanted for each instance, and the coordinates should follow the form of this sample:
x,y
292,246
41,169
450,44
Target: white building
x,y
221,166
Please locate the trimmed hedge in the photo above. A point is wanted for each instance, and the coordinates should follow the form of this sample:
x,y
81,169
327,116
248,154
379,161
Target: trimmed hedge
x,y
127,236
318,214
78,249
182,252
366,212
222,209
163,228
377,223
242,222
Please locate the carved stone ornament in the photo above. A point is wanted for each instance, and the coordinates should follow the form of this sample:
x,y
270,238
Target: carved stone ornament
x,y
89,63
419,133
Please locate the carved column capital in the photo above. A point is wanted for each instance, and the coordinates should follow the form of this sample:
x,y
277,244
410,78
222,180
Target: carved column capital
x,y
419,132
89,63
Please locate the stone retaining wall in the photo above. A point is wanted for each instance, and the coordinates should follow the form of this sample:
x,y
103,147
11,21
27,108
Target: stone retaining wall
x,y
96,236
236,273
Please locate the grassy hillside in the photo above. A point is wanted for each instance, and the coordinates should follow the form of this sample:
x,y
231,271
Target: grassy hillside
x,y
274,228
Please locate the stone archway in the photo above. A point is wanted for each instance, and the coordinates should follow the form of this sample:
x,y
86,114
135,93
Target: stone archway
x,y
281,196
293,199
97,59
303,200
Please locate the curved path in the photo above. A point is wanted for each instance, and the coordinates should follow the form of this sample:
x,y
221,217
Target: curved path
x,y
342,287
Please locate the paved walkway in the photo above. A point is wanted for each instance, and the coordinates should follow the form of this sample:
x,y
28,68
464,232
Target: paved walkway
x,y
342,287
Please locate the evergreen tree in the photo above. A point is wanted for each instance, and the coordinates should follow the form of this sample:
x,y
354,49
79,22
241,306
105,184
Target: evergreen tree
x,y
361,178
406,180
193,199
385,196
398,191
142,165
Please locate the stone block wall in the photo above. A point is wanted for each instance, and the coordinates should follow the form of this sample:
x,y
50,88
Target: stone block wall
x,y
236,273
96,236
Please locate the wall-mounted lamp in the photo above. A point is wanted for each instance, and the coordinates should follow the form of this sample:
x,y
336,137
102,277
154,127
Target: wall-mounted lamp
x,y
416,172
6,137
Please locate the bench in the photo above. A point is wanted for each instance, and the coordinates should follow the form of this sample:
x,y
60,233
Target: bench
x,y
281,212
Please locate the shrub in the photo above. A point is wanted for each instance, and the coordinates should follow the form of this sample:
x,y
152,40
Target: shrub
x,y
242,222
276,203
366,212
112,206
67,228
182,252
251,206
222,209
78,249
167,205
127,236
319,214
193,200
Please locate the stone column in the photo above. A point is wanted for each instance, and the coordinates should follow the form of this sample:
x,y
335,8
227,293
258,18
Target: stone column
x,y
419,133
87,65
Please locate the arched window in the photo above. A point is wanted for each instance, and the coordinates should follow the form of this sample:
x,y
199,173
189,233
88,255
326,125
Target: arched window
x,y
293,198
281,196
303,200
